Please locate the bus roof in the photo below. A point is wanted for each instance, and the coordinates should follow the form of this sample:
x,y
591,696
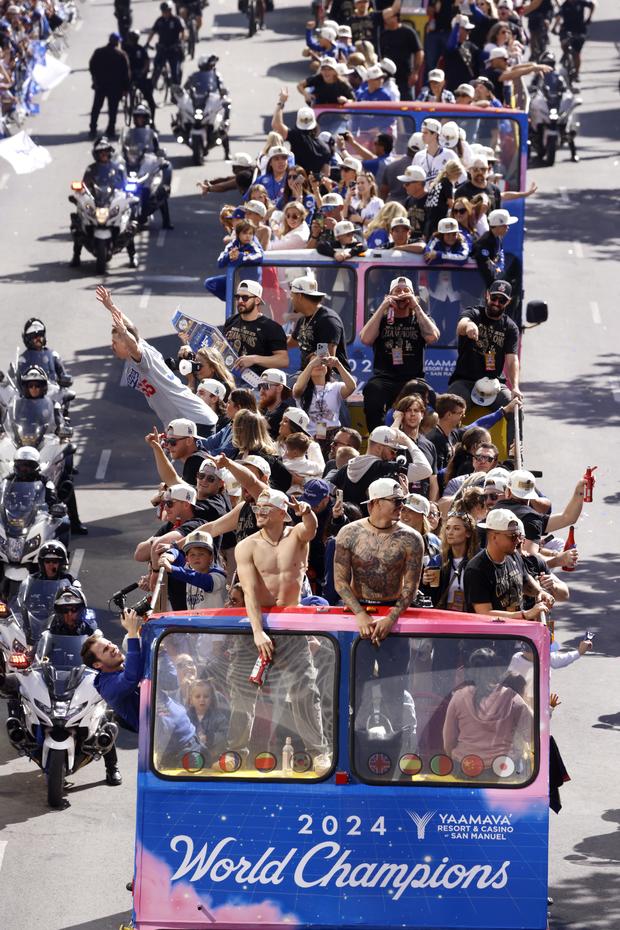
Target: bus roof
x,y
419,106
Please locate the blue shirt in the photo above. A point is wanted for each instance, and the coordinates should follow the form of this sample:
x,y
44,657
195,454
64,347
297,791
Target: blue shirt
x,y
121,689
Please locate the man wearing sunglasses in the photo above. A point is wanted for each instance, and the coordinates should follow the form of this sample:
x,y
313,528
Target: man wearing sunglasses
x,y
259,342
496,579
274,397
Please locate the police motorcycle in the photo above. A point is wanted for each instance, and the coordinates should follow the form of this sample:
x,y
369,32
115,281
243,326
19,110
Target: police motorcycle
x,y
32,419
552,114
37,353
58,719
203,115
30,516
148,171
103,222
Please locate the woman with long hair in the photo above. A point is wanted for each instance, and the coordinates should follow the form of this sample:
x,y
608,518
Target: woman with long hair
x,y
297,188
212,365
378,229
320,394
463,212
250,436
459,543
440,196
362,202
461,462
292,232
238,399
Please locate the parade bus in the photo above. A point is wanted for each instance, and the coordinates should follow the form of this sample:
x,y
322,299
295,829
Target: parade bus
x,y
347,786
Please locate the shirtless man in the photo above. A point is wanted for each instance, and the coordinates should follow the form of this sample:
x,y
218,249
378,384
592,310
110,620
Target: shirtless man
x,y
378,561
271,565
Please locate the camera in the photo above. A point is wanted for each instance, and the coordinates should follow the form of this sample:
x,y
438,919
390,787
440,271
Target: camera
x,y
142,607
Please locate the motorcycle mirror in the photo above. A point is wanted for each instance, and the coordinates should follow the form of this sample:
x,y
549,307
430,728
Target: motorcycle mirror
x,y
536,312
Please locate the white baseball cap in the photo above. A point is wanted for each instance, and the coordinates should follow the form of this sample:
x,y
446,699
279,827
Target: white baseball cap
x,y
433,125
522,484
450,134
273,376
497,52
259,463
447,225
415,141
507,3
306,284
436,74
328,62
208,468
502,521
418,504
332,200
479,162
249,287
328,33
199,539
484,391
272,498
374,73
344,32
277,150
383,488
354,164
211,386
297,416
502,218
400,221
255,206
385,436
181,429
242,160
387,65
497,482
412,173
181,492
343,228
463,22
466,89
305,118
401,282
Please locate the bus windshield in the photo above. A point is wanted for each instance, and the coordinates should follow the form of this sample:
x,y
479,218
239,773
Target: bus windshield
x,y
211,721
436,718
336,281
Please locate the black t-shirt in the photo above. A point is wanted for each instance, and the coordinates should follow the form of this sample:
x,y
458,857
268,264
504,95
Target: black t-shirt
x,y
399,349
416,211
261,336
212,508
443,446
427,447
574,16
485,356
462,64
169,30
308,149
366,28
436,206
327,93
500,585
323,326
247,522
544,12
399,45
354,492
274,418
469,190
534,523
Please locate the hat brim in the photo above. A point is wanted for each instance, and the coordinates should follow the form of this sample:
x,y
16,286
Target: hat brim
x,y
388,498
198,545
482,401
306,294
524,496
405,180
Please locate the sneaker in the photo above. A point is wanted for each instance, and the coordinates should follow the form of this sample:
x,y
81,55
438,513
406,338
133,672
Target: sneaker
x,y
322,763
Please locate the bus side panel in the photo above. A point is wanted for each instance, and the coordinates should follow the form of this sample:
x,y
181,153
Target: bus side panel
x,y
352,855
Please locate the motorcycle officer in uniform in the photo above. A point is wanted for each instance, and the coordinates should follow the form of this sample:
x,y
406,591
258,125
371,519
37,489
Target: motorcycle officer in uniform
x,y
143,135
170,31
34,336
27,469
139,63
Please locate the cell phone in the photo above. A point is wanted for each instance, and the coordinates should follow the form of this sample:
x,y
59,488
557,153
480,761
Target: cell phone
x,y
319,219
589,635
322,350
339,495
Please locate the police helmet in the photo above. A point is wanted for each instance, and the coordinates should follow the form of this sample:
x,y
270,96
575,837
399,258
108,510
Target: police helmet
x,y
206,62
33,329
26,462
33,375
133,34
53,549
142,111
73,596
548,58
102,145
165,7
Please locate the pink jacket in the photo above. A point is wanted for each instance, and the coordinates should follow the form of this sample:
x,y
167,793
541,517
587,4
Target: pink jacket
x,y
499,726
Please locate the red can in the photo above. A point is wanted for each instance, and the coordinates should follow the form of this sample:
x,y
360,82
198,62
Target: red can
x,y
259,672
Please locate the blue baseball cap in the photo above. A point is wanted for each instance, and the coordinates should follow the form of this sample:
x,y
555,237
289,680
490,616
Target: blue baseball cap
x,y
315,490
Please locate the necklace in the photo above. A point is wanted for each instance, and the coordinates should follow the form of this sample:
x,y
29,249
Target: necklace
x,y
380,529
270,541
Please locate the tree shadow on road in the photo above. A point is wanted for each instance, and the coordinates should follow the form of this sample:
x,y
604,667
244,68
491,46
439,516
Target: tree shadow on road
x,y
584,398
550,218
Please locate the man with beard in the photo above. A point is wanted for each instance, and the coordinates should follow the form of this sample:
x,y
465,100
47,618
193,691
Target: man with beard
x,y
274,398
258,341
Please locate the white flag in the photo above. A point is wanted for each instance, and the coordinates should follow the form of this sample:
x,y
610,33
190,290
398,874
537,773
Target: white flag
x,y
23,154
51,74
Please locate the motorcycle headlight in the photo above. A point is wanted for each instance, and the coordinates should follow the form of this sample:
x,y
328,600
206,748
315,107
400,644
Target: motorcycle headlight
x,y
61,708
131,186
90,209
32,544
15,548
77,710
198,114
45,708
101,214
553,114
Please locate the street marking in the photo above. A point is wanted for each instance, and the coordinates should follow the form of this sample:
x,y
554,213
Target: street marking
x,y
596,312
161,239
144,300
564,195
79,25
578,249
76,562
4,180
176,183
615,389
102,467
3,846
171,278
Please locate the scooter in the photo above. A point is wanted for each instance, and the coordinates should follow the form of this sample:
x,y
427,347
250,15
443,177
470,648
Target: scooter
x,y
59,720
103,223
553,120
202,119
25,524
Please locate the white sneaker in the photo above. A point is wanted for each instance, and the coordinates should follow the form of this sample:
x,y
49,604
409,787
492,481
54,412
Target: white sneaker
x,y
322,763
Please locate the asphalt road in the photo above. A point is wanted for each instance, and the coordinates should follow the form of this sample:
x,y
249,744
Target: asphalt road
x,y
66,870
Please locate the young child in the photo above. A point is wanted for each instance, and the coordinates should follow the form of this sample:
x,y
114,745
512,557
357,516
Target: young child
x,y
210,716
243,249
296,461
205,585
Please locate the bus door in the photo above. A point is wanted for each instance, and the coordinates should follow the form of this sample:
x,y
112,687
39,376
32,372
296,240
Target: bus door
x,y
400,786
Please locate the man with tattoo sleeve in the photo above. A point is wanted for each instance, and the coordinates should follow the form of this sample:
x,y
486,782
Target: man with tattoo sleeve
x,y
378,561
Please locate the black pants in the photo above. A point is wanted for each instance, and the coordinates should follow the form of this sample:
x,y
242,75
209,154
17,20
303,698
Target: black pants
x,y
110,759
145,86
113,98
379,395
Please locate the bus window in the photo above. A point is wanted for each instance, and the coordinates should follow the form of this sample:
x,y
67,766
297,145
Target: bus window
x,y
365,126
442,711
444,294
336,281
501,134
211,721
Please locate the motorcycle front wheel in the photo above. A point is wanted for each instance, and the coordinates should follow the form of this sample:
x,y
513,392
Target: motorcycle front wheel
x,y
56,773
101,255
197,151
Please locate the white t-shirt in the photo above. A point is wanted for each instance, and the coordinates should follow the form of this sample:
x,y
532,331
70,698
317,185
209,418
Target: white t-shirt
x,y
199,599
368,212
325,406
433,164
165,394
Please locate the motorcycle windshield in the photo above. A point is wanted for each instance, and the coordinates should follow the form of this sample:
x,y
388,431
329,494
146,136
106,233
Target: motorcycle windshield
x,y
36,602
200,85
29,420
137,141
61,652
103,194
20,502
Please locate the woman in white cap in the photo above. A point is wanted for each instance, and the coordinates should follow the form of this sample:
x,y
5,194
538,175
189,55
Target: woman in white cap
x,y
275,173
295,420
326,87
321,395
436,91
214,395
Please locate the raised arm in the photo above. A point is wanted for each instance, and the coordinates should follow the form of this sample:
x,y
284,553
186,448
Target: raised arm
x,y
306,530
119,321
277,122
246,478
165,468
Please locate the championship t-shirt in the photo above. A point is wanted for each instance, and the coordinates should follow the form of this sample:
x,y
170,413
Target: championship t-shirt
x,y
399,349
261,336
469,190
497,584
484,357
323,326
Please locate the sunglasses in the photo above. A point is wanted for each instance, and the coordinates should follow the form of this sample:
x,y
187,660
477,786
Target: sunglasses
x,y
264,387
210,479
491,497
174,442
394,501
68,610
52,561
498,299
514,536
171,503
484,458
244,297
459,210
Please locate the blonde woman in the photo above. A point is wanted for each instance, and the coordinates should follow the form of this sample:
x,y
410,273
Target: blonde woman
x,y
378,230
292,232
250,436
440,196
362,202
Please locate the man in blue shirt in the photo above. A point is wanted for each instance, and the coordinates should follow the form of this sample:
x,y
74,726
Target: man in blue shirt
x,y
118,675
373,88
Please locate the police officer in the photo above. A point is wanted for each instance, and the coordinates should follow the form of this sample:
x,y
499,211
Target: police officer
x,y
37,353
144,136
169,30
109,68
139,63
